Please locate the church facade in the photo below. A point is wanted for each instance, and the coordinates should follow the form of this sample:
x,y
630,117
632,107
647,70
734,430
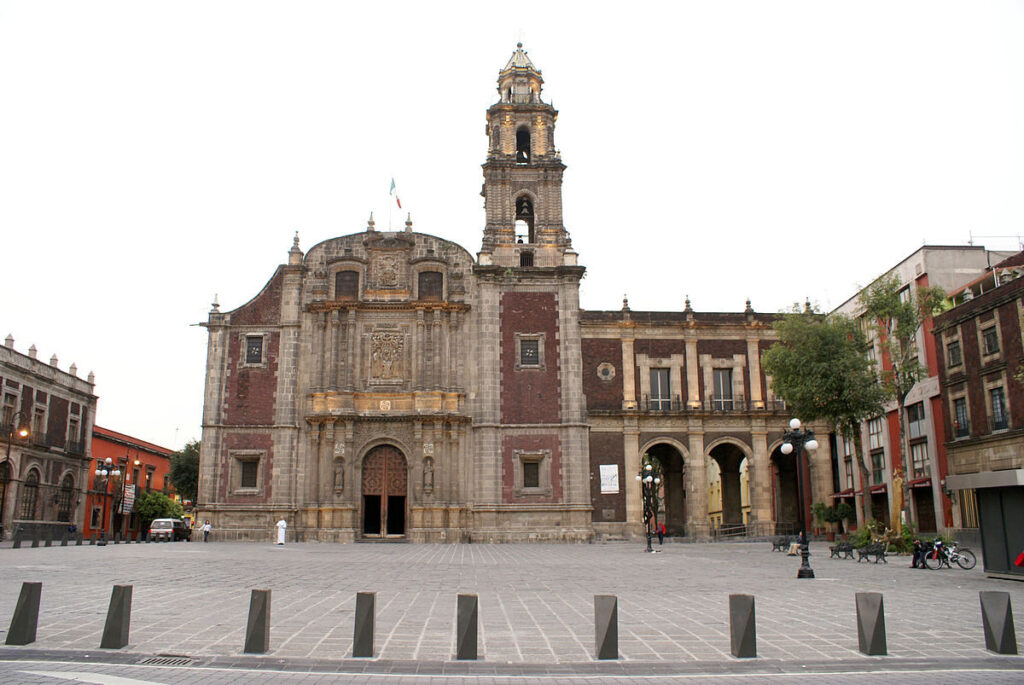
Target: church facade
x,y
388,385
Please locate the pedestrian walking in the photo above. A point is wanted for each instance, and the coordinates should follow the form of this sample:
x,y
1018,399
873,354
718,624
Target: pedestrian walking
x,y
661,533
282,525
206,530
918,560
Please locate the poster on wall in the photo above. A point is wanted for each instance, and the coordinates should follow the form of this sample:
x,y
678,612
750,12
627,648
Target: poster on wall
x,y
609,479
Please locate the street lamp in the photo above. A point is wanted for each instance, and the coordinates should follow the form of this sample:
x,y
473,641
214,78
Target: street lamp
x,y
649,478
105,471
22,431
796,440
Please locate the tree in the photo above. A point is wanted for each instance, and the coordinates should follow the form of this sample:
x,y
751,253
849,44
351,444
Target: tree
x,y
896,314
819,366
156,505
185,470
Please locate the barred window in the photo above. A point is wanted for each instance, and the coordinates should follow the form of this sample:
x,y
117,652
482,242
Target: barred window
x,y
254,349
30,496
64,499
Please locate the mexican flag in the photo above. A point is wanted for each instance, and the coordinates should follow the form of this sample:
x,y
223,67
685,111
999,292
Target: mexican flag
x,y
394,193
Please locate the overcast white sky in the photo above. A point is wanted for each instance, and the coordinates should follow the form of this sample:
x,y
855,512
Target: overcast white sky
x,y
153,154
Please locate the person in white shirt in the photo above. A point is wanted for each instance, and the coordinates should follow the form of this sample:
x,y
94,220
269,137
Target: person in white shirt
x,y
282,525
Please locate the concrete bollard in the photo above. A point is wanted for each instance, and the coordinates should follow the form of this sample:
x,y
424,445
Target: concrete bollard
x,y
257,629
117,538
64,538
35,539
48,538
606,626
997,619
119,618
92,539
78,539
871,623
465,632
26,615
362,635
742,626
17,538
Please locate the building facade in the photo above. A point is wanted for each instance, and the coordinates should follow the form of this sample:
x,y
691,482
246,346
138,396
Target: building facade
x,y
110,502
925,468
980,345
389,385
45,417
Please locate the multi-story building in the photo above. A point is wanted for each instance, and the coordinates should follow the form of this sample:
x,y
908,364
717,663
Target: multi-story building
x,y
949,268
389,384
45,417
981,369
110,503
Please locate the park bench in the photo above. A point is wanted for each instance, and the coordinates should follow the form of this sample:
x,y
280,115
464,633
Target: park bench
x,y
781,543
875,549
842,550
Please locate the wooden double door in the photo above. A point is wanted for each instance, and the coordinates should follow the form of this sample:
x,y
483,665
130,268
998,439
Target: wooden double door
x,y
385,485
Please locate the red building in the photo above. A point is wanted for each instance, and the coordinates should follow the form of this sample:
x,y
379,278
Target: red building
x,y
143,466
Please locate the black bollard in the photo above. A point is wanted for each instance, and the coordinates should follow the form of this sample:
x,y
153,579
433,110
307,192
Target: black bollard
x,y
871,623
119,618
26,615
47,538
465,633
997,619
64,538
606,626
362,635
742,628
257,630
17,538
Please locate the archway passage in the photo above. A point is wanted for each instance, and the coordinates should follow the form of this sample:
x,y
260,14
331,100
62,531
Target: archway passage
x,y
672,509
730,458
785,494
385,483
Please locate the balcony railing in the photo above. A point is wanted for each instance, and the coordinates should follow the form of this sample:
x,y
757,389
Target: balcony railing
x,y
961,429
717,405
76,447
726,404
662,403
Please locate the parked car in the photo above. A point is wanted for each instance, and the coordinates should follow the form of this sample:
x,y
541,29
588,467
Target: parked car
x,y
169,530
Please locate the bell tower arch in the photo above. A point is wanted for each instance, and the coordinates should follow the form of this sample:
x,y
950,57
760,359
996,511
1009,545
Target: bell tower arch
x,y
523,174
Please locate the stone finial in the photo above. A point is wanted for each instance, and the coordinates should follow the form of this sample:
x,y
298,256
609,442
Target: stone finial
x,y
73,369
688,309
9,341
625,303
32,351
295,254
807,306
91,378
53,360
371,224
749,309
215,305
408,223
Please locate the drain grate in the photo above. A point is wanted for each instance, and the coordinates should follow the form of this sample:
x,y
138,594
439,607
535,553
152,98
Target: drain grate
x,y
167,661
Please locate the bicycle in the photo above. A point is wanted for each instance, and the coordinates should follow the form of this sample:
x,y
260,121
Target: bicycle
x,y
940,554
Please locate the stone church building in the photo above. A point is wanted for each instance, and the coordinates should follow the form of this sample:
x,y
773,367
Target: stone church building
x,y
389,385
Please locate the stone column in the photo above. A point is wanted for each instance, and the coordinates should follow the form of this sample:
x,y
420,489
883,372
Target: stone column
x,y
333,356
628,374
419,352
631,450
754,364
692,379
697,484
760,473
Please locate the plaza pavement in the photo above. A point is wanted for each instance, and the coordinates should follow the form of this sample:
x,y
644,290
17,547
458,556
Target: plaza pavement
x,y
536,610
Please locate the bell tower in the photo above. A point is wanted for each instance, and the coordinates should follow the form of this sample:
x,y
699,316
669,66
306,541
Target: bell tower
x,y
523,175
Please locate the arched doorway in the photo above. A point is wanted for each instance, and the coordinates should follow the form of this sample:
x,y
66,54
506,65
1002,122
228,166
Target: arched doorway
x,y
672,504
385,484
731,462
785,497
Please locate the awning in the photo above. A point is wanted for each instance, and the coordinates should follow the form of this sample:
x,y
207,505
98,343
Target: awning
x,y
920,483
875,489
848,492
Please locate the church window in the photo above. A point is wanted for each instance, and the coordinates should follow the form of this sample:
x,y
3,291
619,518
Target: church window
x,y
246,472
346,285
523,145
524,219
531,474
529,350
526,258
661,397
254,349
249,471
430,286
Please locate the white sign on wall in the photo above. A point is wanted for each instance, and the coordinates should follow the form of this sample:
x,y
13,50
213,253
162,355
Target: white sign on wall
x,y
609,479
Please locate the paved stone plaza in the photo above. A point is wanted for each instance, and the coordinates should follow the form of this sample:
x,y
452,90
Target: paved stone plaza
x,y
536,608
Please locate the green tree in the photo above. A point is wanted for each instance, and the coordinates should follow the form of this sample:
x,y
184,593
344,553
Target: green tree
x,y
896,314
156,505
819,366
185,470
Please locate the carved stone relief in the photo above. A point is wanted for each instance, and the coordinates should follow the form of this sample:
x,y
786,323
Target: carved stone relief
x,y
387,355
387,271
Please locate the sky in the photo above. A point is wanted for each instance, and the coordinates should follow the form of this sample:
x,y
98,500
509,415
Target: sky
x,y
154,155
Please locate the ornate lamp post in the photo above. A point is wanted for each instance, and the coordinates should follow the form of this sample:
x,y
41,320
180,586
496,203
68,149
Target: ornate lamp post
x,y
22,431
649,478
796,440
106,472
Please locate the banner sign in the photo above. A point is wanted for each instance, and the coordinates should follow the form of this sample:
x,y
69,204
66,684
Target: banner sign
x,y
609,479
128,503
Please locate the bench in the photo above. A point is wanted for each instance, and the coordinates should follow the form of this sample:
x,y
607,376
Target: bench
x,y
781,543
842,550
875,549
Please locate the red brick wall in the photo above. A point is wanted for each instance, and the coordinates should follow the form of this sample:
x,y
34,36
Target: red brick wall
x,y
530,395
250,391
530,443
602,394
606,448
265,308
246,441
1013,355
